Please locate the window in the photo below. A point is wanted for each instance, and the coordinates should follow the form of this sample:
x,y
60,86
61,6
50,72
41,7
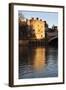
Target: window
x,y
33,30
38,30
41,35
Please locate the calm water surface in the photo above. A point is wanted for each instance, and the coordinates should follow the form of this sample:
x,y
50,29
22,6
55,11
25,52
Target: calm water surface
x,y
38,62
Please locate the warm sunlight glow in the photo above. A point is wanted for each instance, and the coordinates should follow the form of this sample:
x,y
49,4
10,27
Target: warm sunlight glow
x,y
40,59
39,28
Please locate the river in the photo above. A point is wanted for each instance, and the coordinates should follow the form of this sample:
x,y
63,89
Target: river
x,y
38,62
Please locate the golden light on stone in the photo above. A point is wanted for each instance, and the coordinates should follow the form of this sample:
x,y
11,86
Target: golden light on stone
x,y
40,59
39,28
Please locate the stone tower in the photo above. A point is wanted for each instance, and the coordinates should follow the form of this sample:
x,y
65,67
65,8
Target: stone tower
x,y
38,28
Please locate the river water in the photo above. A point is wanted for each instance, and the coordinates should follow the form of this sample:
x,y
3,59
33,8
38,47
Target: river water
x,y
38,62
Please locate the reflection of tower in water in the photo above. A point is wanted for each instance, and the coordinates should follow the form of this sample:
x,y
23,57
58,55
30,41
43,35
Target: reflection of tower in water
x,y
35,58
39,59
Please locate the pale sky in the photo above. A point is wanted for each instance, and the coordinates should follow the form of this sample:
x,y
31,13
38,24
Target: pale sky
x,y
50,17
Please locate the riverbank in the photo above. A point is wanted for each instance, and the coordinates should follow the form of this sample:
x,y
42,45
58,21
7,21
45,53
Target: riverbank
x,y
34,42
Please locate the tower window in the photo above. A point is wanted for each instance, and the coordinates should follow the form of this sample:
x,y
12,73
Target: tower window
x,y
38,25
38,30
41,35
33,30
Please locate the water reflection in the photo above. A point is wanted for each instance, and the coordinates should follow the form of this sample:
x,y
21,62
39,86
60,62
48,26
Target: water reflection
x,y
37,62
39,59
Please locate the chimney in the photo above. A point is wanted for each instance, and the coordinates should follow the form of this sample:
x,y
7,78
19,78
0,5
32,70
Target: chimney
x,y
37,18
45,22
32,18
40,19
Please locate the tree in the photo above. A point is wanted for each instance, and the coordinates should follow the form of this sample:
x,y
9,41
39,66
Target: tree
x,y
21,16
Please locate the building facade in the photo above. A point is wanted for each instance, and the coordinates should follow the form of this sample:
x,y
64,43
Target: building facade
x,y
32,29
37,28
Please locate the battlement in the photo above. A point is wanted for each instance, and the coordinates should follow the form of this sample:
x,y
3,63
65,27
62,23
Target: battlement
x,y
34,19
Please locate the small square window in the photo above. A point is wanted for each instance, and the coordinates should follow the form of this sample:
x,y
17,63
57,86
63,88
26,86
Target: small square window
x,y
41,35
